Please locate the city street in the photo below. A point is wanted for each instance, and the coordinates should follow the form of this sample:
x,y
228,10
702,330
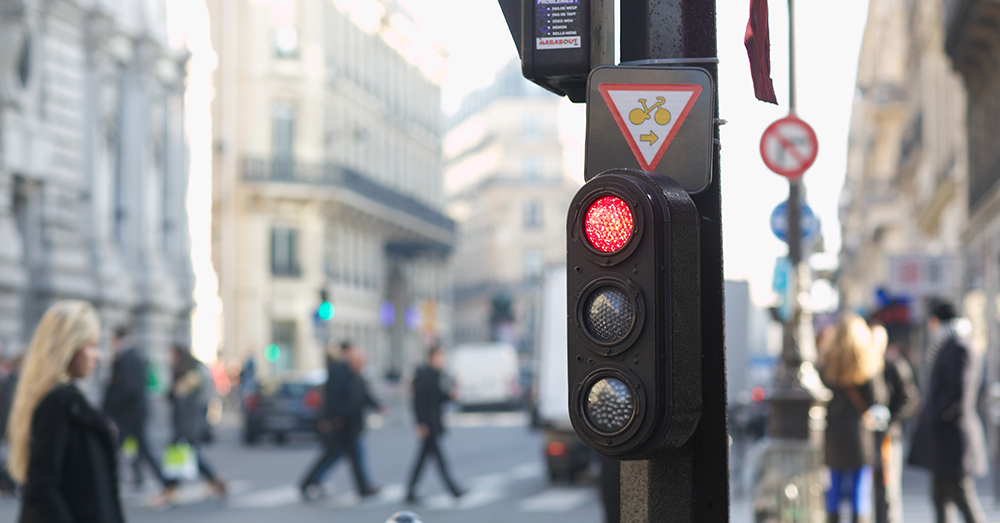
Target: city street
x,y
496,455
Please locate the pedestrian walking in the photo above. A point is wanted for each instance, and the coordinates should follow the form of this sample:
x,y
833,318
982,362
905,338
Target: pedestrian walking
x,y
430,392
852,370
190,392
62,449
949,439
903,402
125,403
341,423
8,384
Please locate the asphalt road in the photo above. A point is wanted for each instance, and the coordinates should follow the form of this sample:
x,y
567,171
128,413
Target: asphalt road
x,y
496,455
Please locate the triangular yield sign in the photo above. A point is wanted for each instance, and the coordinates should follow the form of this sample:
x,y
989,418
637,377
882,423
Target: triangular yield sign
x,y
649,115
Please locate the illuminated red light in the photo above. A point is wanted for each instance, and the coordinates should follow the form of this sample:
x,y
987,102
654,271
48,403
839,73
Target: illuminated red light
x,y
555,448
608,224
757,394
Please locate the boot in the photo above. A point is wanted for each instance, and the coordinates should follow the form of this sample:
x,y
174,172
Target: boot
x,y
832,517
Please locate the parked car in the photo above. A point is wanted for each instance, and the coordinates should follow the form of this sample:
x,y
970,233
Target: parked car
x,y
486,375
287,404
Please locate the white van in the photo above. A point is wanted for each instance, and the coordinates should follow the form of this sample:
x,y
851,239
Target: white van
x,y
485,374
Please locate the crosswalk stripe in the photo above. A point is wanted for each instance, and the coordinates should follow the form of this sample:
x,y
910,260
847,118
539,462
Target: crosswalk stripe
x,y
526,471
556,499
268,498
189,493
475,498
485,489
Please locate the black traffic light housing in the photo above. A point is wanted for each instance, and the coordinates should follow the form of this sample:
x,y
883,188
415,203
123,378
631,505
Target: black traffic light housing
x,y
634,315
553,39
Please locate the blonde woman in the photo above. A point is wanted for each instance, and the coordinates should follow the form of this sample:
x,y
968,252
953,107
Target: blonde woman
x,y
852,369
61,449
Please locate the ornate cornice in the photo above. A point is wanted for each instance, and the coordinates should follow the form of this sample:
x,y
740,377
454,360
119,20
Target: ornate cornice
x,y
973,40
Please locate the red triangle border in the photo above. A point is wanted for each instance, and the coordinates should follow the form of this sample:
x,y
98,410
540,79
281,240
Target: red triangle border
x,y
604,89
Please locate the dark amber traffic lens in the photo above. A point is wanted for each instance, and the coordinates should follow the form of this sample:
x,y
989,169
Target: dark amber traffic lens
x,y
610,405
608,314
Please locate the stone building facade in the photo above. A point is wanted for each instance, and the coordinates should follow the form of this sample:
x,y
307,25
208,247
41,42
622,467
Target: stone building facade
x,y
973,44
93,169
905,187
509,191
924,162
327,182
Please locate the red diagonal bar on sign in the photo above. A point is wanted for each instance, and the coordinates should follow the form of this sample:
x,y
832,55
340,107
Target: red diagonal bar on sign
x,y
789,147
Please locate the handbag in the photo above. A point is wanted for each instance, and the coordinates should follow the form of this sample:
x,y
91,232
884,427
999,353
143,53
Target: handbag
x,y
130,448
876,417
180,462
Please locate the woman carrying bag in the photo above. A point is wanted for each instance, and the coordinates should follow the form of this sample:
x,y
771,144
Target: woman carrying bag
x,y
61,449
851,368
190,403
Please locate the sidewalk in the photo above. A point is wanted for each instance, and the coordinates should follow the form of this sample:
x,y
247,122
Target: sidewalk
x,y
917,504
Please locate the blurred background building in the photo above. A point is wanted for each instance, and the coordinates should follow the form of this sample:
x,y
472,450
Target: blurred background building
x,y
920,210
903,207
93,169
508,189
327,181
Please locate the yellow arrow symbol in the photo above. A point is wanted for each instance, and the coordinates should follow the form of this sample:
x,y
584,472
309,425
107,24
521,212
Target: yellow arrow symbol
x,y
651,138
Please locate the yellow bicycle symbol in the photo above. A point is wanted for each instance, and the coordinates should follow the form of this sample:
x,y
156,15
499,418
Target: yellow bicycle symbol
x,y
662,116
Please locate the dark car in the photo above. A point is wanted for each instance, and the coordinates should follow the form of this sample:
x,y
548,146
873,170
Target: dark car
x,y
566,455
288,404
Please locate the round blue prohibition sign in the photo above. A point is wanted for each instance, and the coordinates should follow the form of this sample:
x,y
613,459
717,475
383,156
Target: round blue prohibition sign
x,y
808,223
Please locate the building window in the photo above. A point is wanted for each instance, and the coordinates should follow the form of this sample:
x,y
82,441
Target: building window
x,y
281,352
533,264
532,129
283,137
286,42
284,252
532,167
532,215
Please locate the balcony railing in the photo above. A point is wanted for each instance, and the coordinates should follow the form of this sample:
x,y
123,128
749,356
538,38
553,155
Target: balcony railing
x,y
282,170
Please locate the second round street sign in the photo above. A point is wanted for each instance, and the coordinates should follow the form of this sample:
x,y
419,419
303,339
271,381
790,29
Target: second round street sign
x,y
789,147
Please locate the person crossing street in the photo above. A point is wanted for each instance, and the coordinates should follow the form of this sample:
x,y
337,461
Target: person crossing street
x,y
125,403
430,392
341,423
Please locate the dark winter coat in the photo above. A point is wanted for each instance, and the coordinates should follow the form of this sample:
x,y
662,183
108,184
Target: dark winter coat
x,y
949,438
72,473
7,388
849,443
902,393
337,403
361,401
345,398
190,404
125,399
429,396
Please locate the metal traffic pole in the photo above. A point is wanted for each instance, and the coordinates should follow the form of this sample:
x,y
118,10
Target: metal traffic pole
x,y
790,488
690,484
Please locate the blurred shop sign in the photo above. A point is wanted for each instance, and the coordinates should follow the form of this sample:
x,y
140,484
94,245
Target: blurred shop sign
x,y
922,275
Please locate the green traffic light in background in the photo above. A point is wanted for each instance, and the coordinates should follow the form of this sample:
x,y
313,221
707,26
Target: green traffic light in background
x,y
325,311
272,353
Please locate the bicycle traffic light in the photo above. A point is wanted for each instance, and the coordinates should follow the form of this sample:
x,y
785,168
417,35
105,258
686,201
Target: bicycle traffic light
x,y
633,286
